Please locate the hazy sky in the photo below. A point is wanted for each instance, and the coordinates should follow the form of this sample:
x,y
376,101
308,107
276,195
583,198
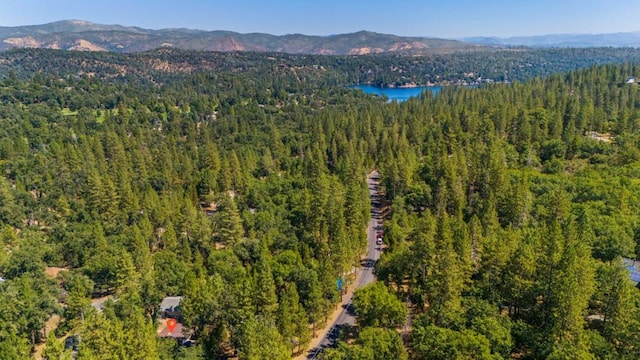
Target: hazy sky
x,y
431,18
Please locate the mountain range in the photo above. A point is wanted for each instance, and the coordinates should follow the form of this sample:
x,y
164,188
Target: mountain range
x,y
87,36
626,39
83,35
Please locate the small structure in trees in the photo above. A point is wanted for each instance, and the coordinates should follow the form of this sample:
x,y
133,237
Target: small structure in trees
x,y
170,307
170,325
180,333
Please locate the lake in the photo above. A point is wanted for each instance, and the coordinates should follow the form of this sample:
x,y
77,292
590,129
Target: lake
x,y
398,94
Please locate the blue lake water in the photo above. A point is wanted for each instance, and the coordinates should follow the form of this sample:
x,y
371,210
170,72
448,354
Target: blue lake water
x,y
398,94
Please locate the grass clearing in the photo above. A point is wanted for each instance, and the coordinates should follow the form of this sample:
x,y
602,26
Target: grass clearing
x,y
100,116
68,112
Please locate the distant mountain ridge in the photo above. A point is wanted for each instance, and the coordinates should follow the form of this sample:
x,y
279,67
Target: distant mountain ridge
x,y
87,36
625,39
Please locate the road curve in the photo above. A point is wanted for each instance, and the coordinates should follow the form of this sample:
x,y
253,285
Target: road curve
x,y
364,275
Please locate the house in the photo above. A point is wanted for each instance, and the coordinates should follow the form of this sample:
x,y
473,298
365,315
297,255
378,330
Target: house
x,y
170,307
170,326
180,333
177,333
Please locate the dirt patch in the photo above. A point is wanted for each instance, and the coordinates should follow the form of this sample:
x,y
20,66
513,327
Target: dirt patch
x,y
53,272
604,137
50,325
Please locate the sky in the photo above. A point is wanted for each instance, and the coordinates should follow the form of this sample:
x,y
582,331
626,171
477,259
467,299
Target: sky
x,y
429,18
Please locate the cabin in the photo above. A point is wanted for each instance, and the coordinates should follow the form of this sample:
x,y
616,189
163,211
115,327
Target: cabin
x,y
170,307
180,333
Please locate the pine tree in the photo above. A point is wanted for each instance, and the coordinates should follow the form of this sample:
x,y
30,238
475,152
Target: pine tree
x,y
228,223
259,339
616,293
291,318
575,287
265,288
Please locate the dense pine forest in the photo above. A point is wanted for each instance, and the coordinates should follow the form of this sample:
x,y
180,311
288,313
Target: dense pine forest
x,y
241,186
166,65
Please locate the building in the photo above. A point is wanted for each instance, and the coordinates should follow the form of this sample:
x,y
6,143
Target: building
x,y
180,333
170,307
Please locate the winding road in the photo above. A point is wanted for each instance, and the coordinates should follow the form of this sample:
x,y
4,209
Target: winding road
x,y
364,275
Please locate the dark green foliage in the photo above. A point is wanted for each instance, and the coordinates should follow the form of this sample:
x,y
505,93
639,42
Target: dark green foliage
x,y
484,65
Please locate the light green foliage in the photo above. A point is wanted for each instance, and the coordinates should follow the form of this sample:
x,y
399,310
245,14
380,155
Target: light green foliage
x,y
483,318
376,306
201,306
78,288
432,342
616,295
384,343
27,259
170,273
575,287
54,349
394,266
259,339
13,346
373,344
110,270
291,319
106,337
265,295
26,303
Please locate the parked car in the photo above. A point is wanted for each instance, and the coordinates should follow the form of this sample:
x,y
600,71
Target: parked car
x,y
72,342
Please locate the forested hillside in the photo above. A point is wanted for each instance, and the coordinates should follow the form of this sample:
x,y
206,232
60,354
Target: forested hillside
x,y
245,192
163,66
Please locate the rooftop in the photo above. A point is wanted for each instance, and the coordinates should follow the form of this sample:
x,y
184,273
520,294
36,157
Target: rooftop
x,y
170,303
179,332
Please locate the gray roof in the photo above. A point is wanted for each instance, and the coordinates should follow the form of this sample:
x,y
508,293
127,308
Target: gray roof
x,y
170,303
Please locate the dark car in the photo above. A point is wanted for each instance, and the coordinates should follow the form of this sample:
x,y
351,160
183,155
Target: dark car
x,y
72,343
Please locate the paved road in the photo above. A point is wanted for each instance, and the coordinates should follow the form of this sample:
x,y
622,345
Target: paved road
x,y
364,274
